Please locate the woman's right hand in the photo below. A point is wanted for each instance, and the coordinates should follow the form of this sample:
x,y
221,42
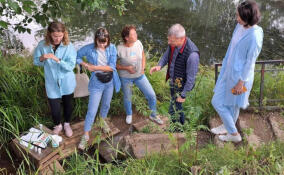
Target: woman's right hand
x,y
131,69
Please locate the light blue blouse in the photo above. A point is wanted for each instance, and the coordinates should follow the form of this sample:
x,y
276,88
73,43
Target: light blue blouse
x,y
91,54
241,67
59,77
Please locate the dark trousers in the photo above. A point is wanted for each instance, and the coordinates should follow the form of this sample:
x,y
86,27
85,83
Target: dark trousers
x,y
176,107
55,105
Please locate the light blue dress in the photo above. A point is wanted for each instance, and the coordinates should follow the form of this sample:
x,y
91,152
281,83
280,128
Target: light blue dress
x,y
241,67
59,77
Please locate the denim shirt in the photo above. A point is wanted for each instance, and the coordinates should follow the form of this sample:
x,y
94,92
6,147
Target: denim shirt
x,y
59,77
92,57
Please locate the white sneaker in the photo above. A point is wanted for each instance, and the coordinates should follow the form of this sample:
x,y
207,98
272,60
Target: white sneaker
x,y
129,119
68,130
219,130
57,129
83,142
230,138
105,127
156,119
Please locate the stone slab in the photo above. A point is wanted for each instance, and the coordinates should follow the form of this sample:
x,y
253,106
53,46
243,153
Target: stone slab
x,y
215,122
255,129
153,127
277,124
140,145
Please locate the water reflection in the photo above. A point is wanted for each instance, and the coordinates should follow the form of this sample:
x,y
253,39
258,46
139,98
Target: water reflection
x,y
208,23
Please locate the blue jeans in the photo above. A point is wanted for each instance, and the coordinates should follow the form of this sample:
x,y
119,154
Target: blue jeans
x,y
144,85
100,92
228,114
174,105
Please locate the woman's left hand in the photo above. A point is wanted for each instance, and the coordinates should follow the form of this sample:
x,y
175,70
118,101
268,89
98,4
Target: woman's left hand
x,y
52,56
239,88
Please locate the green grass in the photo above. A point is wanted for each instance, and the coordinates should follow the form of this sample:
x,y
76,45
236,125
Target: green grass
x,y
23,104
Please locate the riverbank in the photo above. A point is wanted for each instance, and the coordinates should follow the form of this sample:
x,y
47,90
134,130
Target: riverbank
x,y
23,104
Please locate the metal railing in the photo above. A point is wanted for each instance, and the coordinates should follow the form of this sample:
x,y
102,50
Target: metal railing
x,y
262,71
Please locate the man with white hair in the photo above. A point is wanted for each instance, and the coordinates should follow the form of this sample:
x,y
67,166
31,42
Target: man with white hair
x,y
182,58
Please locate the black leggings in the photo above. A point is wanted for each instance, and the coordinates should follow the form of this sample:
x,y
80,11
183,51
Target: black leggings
x,y
55,105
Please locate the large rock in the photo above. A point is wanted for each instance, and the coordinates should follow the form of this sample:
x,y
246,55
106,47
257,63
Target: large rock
x,y
215,122
110,148
140,145
277,124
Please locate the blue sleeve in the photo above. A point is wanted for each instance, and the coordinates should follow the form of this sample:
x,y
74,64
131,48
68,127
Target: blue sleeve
x,y
112,57
69,62
164,60
224,63
191,71
253,52
80,54
37,54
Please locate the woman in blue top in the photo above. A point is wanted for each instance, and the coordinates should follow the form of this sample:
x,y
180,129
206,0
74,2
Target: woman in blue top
x,y
237,73
58,57
101,57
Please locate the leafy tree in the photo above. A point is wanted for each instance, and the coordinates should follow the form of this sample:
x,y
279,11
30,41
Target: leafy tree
x,y
44,11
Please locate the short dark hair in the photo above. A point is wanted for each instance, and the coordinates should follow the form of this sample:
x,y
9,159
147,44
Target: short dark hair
x,y
102,35
249,12
126,30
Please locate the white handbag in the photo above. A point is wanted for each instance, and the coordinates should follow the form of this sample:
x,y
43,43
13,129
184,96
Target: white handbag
x,y
82,82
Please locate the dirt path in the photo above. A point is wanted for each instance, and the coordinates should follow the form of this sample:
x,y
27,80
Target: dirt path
x,y
256,129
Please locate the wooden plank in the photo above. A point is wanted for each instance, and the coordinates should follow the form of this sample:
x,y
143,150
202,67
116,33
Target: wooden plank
x,y
48,162
97,135
67,152
66,148
46,153
53,168
36,158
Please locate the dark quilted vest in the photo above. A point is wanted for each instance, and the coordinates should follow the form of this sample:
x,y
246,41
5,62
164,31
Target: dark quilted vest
x,y
181,60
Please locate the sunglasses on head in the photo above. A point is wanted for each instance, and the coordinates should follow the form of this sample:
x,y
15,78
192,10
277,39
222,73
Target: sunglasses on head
x,y
102,34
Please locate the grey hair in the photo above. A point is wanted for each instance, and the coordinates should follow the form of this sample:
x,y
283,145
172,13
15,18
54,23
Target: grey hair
x,y
176,30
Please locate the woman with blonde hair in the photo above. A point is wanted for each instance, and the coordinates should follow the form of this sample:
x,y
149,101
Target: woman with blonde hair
x,y
58,58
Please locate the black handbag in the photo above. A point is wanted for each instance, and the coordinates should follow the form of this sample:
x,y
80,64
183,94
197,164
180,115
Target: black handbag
x,y
104,77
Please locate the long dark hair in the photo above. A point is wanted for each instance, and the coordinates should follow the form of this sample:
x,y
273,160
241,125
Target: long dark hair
x,y
102,35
